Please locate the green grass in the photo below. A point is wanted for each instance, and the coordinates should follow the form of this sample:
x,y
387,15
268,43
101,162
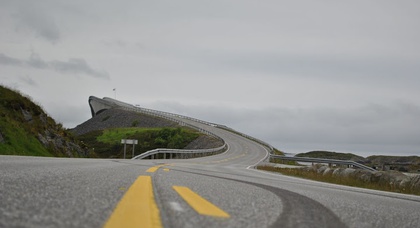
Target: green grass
x,y
116,134
341,180
18,142
19,138
107,143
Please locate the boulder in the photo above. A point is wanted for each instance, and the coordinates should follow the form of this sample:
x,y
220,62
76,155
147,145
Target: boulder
x,y
348,171
327,171
321,169
338,172
364,175
391,178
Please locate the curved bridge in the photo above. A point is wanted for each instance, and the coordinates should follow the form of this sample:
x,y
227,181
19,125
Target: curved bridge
x,y
98,105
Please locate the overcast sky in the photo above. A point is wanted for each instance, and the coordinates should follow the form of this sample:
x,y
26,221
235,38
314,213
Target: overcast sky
x,y
299,74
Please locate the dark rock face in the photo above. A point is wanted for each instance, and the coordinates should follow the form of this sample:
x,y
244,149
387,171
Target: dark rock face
x,y
27,115
58,143
115,118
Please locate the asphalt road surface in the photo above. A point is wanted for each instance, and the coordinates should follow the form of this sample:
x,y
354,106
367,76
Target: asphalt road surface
x,y
217,191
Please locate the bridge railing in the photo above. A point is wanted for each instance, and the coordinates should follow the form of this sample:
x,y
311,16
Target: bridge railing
x,y
181,154
323,160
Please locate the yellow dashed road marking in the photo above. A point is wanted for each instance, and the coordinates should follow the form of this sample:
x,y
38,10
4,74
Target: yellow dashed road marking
x,y
199,204
154,168
137,208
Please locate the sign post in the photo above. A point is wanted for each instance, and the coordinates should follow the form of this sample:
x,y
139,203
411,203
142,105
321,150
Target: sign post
x,y
129,141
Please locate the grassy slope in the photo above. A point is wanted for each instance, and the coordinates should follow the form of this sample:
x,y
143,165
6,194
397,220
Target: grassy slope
x,y
19,142
19,137
107,143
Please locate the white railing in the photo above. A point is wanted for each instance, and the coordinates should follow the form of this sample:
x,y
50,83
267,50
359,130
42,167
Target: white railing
x,y
181,154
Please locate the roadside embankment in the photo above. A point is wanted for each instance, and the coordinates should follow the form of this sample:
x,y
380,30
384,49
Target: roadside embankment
x,y
392,181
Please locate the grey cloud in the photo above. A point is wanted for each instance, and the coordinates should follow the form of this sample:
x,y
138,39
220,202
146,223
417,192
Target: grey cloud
x,y
325,67
6,60
73,65
28,81
375,124
42,23
77,114
36,61
76,66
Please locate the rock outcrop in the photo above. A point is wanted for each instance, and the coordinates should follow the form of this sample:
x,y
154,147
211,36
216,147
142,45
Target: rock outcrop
x,y
392,179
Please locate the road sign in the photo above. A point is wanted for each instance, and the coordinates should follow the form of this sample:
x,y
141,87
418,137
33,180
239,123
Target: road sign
x,y
129,141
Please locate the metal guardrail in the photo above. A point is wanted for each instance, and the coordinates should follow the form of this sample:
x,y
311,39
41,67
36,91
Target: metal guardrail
x,y
324,160
182,154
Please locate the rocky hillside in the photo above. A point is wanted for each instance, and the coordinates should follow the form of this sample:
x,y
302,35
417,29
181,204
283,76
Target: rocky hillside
x,y
25,129
118,118
151,133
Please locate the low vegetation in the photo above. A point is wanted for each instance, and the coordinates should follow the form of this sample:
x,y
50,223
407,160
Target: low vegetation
x,y
107,143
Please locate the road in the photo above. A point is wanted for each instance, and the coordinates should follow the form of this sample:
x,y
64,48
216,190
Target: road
x,y
66,192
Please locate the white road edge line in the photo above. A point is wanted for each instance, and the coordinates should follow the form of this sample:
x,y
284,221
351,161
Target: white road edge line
x,y
266,155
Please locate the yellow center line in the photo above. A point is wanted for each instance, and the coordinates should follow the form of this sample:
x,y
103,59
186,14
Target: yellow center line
x,y
137,208
199,204
154,169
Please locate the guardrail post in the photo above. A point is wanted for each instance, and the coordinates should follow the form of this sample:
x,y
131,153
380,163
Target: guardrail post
x,y
124,149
